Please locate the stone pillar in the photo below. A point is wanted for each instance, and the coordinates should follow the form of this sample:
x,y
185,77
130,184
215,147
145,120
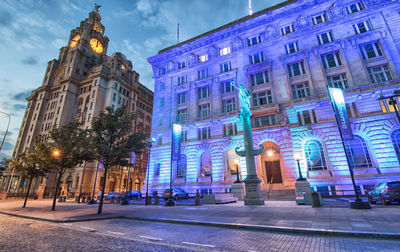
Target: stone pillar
x,y
303,192
40,191
238,191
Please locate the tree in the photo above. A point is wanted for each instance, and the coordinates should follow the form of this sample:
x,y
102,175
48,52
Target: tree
x,y
70,146
32,164
114,139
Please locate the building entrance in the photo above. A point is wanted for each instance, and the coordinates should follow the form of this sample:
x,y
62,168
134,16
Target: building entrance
x,y
273,171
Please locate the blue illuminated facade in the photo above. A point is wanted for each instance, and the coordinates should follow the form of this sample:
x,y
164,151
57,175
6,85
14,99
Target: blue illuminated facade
x,y
288,56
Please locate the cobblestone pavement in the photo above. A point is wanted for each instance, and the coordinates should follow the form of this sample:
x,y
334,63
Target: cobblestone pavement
x,y
128,235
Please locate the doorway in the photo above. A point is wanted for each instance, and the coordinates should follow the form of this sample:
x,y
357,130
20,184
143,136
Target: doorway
x,y
273,171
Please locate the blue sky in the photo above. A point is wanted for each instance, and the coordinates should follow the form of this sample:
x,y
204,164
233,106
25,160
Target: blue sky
x,y
33,31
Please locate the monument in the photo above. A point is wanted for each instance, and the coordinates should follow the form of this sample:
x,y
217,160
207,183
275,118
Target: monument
x,y
252,182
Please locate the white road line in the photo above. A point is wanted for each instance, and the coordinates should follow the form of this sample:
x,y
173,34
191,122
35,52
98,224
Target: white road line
x,y
116,233
199,244
251,251
67,224
88,228
150,238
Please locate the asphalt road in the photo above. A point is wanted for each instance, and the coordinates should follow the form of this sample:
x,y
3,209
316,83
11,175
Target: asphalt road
x,y
19,234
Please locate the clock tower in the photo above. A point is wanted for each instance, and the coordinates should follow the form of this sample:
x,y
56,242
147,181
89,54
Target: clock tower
x,y
77,86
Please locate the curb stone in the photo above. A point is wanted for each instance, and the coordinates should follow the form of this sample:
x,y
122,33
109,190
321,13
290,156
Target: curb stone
x,y
316,231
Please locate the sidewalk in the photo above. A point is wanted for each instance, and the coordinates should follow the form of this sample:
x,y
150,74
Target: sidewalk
x,y
282,216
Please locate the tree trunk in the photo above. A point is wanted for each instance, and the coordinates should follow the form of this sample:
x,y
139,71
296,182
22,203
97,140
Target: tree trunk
x,y
53,208
27,193
102,190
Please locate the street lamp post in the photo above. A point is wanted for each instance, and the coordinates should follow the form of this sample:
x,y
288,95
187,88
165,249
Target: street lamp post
x,y
298,167
8,125
237,161
56,154
150,142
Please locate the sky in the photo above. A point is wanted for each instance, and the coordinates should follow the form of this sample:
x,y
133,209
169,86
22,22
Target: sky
x,y
33,31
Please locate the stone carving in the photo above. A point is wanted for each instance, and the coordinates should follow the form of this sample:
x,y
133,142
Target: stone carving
x,y
212,51
244,97
171,66
237,43
301,22
270,33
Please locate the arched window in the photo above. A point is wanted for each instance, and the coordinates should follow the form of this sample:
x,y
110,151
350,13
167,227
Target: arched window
x,y
231,159
181,168
357,152
395,136
315,155
205,164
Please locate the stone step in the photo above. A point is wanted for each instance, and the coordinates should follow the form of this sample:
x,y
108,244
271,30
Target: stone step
x,y
288,194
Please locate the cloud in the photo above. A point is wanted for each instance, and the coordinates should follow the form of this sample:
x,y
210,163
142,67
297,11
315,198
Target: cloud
x,y
18,107
30,61
22,95
9,133
7,146
5,18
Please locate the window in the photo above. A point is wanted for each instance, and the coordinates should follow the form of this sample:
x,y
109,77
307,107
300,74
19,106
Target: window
x,y
291,47
181,65
355,7
300,90
225,67
296,69
324,38
204,110
388,105
181,166
315,156
162,85
287,29
181,98
202,73
228,105
331,60
338,81
230,129
357,153
266,120
371,50
362,27
184,136
225,51
203,133
259,78
205,164
231,157
262,98
182,80
306,117
161,71
161,103
256,58
114,97
226,87
203,58
379,74
157,169
181,115
253,40
88,118
395,137
203,92
319,19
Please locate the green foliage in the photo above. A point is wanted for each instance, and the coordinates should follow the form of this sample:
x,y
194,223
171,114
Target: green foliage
x,y
73,144
113,138
32,163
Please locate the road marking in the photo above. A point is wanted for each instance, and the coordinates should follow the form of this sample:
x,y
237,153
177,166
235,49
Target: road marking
x,y
88,228
199,244
251,251
150,238
117,233
67,224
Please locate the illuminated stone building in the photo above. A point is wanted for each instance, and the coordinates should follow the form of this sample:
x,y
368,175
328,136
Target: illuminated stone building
x,y
83,81
287,56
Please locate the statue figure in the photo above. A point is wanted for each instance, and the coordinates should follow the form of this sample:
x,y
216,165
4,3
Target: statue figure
x,y
97,7
244,96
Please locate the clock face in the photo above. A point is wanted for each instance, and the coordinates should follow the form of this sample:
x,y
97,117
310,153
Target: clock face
x,y
96,45
74,41
123,67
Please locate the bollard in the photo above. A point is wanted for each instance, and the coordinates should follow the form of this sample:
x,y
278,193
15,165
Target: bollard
x,y
118,200
157,200
88,198
112,200
315,199
197,201
83,199
148,200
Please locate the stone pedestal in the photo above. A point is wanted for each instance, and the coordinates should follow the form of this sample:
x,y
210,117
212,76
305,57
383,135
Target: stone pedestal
x,y
40,191
303,188
238,190
253,192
